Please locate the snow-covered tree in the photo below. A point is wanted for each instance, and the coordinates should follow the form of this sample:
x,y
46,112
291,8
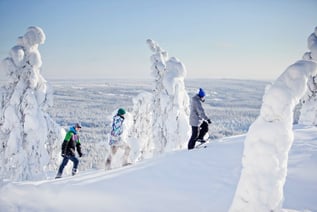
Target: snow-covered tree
x,y
30,139
268,142
170,100
141,125
308,112
160,118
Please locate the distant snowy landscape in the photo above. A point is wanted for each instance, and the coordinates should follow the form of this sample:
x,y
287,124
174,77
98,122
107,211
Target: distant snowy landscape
x,y
232,104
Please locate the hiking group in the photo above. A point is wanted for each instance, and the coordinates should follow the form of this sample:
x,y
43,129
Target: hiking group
x,y
198,120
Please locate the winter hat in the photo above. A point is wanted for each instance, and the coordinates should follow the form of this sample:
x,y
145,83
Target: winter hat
x,y
121,111
77,125
201,93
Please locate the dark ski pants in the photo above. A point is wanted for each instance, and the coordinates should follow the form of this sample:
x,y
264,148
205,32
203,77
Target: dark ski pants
x,y
64,163
197,133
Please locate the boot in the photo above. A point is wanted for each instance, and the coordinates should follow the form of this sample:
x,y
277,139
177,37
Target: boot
x,y
74,171
201,140
108,163
59,175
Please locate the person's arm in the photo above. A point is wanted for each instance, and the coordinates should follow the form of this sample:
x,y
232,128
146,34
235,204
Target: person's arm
x,y
78,147
65,143
201,111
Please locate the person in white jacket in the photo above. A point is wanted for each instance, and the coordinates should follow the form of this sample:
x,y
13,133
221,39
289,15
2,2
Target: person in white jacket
x,y
116,141
198,119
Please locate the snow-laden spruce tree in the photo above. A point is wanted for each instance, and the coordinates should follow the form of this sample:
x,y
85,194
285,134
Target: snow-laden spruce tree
x,y
30,139
160,118
170,101
268,142
308,112
141,126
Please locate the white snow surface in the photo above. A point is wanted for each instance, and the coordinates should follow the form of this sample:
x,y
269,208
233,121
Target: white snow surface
x,y
199,180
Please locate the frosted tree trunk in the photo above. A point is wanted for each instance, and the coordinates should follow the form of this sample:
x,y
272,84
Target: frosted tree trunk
x,y
30,139
268,142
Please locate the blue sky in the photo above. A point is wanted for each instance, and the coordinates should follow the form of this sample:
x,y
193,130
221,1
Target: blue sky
x,y
253,39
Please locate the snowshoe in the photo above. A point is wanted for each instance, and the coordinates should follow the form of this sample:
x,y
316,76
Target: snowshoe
x,y
74,171
58,176
201,141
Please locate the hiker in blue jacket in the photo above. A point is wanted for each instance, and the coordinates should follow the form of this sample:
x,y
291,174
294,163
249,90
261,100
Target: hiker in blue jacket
x,y
198,119
71,142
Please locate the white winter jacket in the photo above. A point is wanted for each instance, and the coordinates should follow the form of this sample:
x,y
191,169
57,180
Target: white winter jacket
x,y
197,112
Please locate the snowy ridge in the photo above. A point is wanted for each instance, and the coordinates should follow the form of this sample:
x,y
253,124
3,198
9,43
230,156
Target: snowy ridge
x,y
198,180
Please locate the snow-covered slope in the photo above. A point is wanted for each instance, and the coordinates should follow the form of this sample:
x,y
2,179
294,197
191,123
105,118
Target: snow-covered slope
x,y
200,180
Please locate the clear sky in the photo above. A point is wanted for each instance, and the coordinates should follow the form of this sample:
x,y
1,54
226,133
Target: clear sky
x,y
254,39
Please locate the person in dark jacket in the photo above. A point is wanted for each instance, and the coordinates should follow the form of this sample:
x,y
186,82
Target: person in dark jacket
x,y
71,142
198,119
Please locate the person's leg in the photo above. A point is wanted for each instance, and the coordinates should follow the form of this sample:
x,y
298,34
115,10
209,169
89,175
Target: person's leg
x,y
193,138
126,154
113,151
203,130
108,161
75,164
62,166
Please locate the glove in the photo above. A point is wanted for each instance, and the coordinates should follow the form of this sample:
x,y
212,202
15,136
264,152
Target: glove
x,y
63,155
80,154
209,122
